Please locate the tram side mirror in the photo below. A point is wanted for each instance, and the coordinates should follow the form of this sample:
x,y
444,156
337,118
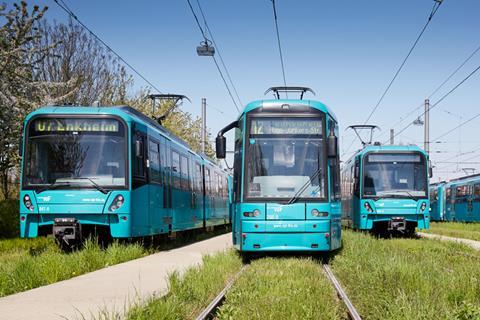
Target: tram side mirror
x,y
332,146
357,172
221,147
430,169
138,149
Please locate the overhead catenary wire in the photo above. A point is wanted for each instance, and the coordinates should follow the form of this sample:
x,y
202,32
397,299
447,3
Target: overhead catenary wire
x,y
204,35
434,10
457,127
65,8
219,54
441,99
274,7
436,89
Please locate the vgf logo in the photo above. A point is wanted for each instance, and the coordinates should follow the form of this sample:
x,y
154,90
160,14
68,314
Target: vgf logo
x,y
277,209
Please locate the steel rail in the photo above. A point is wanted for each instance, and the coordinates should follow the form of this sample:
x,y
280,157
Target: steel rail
x,y
352,312
209,311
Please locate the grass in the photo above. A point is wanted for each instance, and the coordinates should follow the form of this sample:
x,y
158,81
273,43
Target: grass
x,y
30,263
456,229
191,293
409,278
282,288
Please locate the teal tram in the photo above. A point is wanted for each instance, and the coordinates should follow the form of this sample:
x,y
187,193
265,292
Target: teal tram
x,y
286,178
114,172
460,201
437,201
385,189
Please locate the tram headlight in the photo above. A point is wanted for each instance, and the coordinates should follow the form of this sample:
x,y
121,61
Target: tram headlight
x,y
368,207
28,202
252,214
423,206
317,213
117,203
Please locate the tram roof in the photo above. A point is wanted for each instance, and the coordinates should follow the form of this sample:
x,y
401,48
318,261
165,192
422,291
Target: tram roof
x,y
292,102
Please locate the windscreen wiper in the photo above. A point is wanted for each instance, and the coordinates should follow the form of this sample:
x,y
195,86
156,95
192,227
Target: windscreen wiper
x,y
304,187
53,186
94,184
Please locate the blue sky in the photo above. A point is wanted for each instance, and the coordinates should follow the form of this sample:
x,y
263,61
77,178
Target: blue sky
x,y
345,50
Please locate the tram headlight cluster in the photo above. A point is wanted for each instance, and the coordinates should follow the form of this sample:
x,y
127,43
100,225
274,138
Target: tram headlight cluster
x,y
368,207
317,213
28,202
252,214
117,203
423,206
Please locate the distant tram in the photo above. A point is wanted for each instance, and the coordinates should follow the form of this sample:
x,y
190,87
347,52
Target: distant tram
x,y
286,188
385,189
460,200
113,172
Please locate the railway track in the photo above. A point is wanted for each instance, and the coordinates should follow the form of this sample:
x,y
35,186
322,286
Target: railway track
x,y
351,311
210,311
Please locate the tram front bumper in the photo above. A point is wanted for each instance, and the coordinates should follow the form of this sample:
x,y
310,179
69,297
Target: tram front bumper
x,y
318,241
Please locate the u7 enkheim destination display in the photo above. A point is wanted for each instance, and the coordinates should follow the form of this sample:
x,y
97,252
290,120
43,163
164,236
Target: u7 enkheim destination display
x,y
91,125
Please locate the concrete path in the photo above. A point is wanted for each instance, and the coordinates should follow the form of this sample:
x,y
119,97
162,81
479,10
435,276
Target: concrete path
x,y
111,289
471,243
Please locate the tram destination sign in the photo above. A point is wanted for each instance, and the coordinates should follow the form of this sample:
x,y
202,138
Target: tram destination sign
x,y
75,125
286,126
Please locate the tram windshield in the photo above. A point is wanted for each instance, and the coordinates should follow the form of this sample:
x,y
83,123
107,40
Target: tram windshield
x,y
402,175
75,152
285,158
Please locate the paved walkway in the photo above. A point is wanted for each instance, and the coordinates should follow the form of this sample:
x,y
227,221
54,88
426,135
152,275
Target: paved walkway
x,y
110,289
471,243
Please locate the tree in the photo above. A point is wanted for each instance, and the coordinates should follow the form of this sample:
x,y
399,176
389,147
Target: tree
x,y
76,57
17,89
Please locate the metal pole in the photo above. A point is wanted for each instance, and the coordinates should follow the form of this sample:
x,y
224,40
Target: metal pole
x,y
427,127
204,123
392,136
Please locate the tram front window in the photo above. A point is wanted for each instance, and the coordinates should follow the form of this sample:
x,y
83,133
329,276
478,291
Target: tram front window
x,y
285,158
75,152
395,175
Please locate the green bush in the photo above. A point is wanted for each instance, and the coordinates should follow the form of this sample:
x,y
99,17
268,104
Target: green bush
x,y
9,225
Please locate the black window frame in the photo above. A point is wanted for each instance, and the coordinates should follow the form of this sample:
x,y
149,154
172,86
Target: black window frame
x,y
311,113
26,144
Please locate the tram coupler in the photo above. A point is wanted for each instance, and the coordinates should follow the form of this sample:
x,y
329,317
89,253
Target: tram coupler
x,y
67,231
397,224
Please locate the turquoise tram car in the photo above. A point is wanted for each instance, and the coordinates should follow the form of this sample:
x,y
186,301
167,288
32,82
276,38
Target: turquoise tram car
x,y
286,176
462,199
437,201
114,172
385,189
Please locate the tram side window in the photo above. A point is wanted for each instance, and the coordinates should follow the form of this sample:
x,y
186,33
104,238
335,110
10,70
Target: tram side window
x,y
448,194
184,173
335,180
138,162
176,169
154,159
477,190
207,182
215,184
356,178
461,191
198,178
163,163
